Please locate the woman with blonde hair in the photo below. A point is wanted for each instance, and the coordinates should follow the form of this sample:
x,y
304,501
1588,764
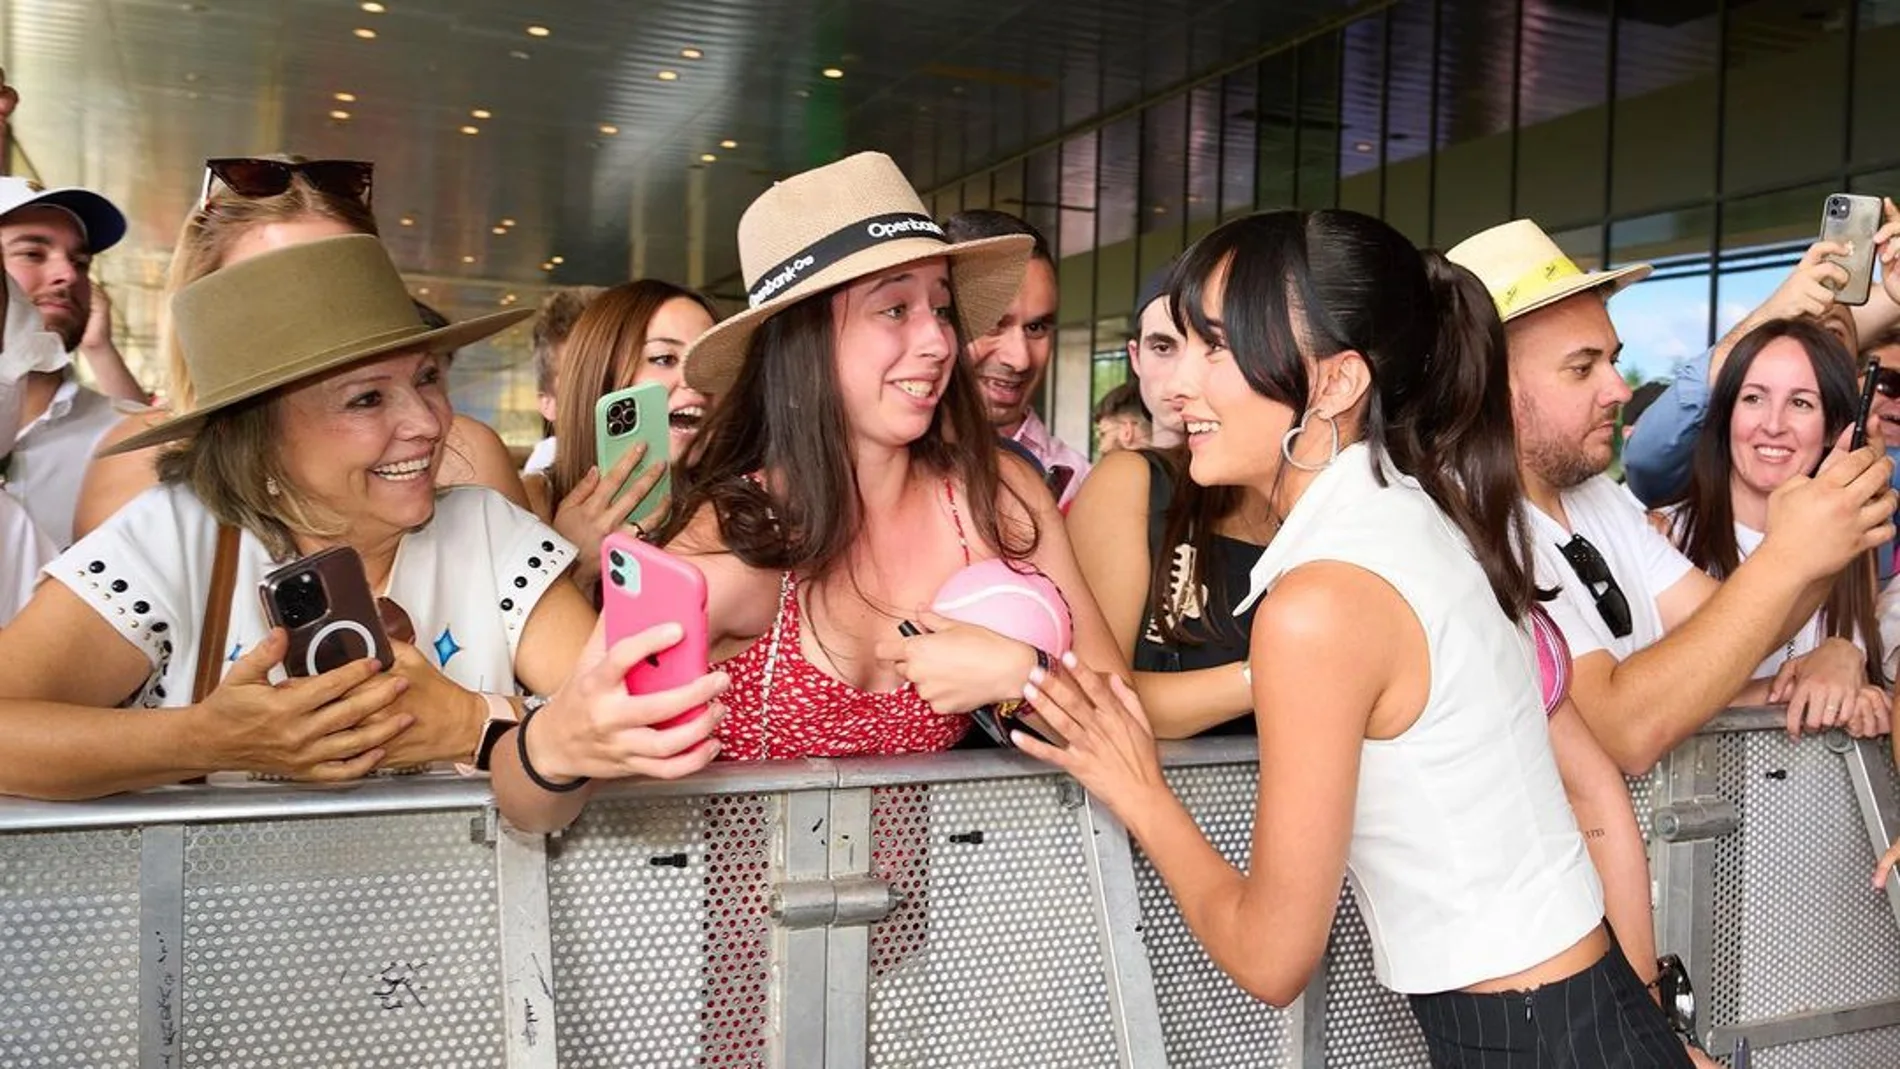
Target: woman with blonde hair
x,y
250,206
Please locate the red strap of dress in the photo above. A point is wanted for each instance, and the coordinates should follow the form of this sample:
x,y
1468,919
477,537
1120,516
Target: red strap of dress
x,y
956,517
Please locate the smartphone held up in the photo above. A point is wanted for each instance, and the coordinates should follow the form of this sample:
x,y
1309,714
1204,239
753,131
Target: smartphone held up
x,y
643,587
1852,220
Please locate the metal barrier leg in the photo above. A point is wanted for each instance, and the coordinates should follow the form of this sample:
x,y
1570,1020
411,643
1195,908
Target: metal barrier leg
x,y
1131,987
161,946
1309,1012
1684,871
848,946
1866,770
521,886
800,955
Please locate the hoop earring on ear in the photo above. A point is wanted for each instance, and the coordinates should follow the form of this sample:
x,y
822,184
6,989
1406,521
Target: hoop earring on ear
x,y
1287,439
270,485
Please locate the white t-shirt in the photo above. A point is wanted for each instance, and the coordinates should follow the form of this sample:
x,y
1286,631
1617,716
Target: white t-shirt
x,y
468,581
23,552
1747,540
50,455
1644,563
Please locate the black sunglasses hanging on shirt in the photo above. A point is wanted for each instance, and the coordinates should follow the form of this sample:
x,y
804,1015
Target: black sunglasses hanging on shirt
x,y
1590,567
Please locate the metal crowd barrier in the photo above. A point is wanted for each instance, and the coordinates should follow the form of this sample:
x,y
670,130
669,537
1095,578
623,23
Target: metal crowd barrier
x,y
961,910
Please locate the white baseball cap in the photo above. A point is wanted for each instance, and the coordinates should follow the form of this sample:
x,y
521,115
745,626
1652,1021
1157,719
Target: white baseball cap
x,y
100,220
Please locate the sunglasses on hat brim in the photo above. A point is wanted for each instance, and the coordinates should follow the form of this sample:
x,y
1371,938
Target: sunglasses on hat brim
x,y
253,178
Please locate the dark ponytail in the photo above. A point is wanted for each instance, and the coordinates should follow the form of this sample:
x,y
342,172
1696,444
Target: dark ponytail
x,y
1439,407
1458,438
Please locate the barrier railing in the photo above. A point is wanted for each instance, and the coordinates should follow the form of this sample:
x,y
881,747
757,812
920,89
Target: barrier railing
x,y
965,909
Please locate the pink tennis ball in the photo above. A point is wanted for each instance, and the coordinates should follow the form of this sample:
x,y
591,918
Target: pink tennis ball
x,y
1024,606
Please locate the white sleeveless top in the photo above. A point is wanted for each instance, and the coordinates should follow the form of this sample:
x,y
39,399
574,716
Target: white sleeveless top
x,y
1465,858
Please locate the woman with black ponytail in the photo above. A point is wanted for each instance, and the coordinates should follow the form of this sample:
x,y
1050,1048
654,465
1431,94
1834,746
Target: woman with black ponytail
x,y
1361,386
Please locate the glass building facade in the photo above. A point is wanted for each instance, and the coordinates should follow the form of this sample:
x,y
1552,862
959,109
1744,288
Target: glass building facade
x,y
1698,135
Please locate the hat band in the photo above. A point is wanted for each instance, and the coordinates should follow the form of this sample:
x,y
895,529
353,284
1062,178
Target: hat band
x,y
1532,284
859,236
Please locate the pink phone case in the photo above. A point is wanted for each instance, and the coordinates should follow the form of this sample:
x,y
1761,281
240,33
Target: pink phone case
x,y
642,586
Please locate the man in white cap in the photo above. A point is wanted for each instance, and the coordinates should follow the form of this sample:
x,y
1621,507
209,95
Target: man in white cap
x,y
47,240
1658,646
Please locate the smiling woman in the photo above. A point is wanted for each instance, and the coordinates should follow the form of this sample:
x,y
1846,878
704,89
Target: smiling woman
x,y
319,422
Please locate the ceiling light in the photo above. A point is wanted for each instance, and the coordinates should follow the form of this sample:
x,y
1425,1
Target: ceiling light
x,y
498,230
1362,146
508,222
373,7
408,220
609,129
471,130
481,113
346,98
365,33
728,143
468,259
538,31
707,157
546,266
557,260
832,72
339,115
691,53
669,76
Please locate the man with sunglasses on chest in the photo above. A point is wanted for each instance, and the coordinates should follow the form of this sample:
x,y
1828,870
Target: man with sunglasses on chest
x,y
48,239
1658,646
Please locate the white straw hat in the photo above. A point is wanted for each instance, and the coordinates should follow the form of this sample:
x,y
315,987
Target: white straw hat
x,y
836,224
1524,270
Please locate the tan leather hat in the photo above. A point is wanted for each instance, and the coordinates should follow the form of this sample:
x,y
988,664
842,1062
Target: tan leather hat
x,y
836,224
1525,270
295,313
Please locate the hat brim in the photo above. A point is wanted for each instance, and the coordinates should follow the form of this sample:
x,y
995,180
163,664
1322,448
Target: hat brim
x,y
1616,280
453,336
984,277
102,220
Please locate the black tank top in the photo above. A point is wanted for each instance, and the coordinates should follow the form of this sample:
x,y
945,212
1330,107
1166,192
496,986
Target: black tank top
x,y
1227,575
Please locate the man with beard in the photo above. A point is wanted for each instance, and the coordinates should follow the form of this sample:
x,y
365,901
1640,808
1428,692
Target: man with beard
x,y
1658,647
47,240
1009,361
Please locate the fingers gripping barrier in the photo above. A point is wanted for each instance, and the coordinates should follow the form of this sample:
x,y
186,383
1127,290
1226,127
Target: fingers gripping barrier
x,y
964,910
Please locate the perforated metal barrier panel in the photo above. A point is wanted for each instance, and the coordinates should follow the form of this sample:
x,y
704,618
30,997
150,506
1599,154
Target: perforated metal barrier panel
x,y
1796,926
69,949
661,942
375,939
1208,1021
994,959
366,942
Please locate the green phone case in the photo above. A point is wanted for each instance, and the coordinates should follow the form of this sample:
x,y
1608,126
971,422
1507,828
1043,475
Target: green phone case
x,y
624,417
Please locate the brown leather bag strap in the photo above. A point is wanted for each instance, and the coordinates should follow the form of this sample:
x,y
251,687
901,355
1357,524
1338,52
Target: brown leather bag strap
x,y
217,617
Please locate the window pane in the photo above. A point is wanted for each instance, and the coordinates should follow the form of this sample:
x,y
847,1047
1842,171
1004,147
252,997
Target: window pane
x,y
1665,319
1204,131
1876,122
1277,133
1408,123
1786,92
1239,151
1164,147
1664,151
1474,125
1318,183
1563,120
1361,123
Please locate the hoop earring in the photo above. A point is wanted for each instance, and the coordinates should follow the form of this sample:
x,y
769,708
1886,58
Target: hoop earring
x,y
270,485
1287,439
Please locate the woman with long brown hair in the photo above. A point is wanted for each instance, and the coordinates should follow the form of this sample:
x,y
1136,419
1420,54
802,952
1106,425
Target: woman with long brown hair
x,y
636,332
1786,392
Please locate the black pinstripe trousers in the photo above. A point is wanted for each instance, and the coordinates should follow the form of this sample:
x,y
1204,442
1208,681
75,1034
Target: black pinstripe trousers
x,y
1601,1018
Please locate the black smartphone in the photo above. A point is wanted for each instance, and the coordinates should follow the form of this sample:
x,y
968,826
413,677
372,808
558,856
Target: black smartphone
x,y
325,603
1870,377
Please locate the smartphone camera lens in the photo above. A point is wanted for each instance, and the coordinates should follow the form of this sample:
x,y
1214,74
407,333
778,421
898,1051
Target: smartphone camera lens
x,y
302,600
1836,208
618,558
618,578
621,416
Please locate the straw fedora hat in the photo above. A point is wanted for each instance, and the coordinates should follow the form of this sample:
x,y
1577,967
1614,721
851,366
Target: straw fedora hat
x,y
287,315
836,224
1525,270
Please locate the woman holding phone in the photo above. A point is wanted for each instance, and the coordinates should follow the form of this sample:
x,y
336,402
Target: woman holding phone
x,y
1785,393
1362,388
321,420
636,333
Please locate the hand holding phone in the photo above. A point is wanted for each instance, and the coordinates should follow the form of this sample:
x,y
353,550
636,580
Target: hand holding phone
x,y
325,604
997,721
636,414
641,587
1870,378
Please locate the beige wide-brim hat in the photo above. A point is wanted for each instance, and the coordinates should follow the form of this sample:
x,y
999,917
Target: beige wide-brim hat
x,y
1524,270
292,314
836,224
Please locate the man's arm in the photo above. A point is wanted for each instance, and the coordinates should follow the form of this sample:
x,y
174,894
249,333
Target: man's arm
x,y
1656,457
